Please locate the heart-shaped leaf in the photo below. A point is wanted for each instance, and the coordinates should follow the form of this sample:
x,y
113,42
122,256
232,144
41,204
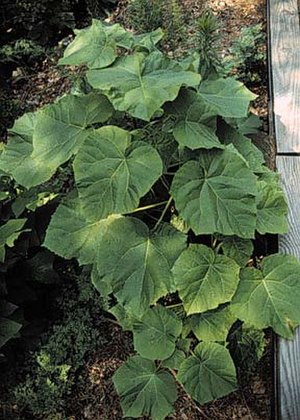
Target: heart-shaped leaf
x,y
144,389
203,279
112,173
216,194
96,45
209,373
270,297
156,333
42,141
138,262
141,85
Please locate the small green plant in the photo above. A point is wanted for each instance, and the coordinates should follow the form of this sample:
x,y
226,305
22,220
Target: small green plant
x,y
147,16
160,170
207,39
23,52
247,59
53,369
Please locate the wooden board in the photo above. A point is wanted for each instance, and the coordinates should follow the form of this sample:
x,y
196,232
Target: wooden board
x,y
288,355
284,44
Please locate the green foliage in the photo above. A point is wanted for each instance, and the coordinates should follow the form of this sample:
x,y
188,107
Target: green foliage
x,y
147,176
23,52
247,346
209,373
247,59
207,38
145,389
148,15
263,297
52,369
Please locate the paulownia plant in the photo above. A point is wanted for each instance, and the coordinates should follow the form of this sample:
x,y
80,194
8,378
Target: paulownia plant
x,y
159,158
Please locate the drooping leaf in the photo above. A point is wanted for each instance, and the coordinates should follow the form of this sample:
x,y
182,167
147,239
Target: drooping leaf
x,y
96,45
141,85
270,297
216,194
155,335
195,126
42,141
240,250
213,325
9,232
209,373
272,207
229,97
145,390
112,173
203,279
148,40
72,235
8,330
138,262
244,146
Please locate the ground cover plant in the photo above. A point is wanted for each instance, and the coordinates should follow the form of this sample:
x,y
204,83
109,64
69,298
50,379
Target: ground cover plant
x,y
167,194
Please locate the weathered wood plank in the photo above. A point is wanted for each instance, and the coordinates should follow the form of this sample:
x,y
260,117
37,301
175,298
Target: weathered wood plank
x,y
289,351
285,72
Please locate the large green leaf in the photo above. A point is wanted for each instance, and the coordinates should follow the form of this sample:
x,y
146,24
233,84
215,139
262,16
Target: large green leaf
x,y
272,207
209,373
216,194
195,126
141,84
96,45
204,279
270,297
112,173
229,97
138,262
42,141
213,325
144,389
240,250
72,235
155,335
9,232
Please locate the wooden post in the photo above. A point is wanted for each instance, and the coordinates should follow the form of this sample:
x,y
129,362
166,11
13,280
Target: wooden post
x,y
284,75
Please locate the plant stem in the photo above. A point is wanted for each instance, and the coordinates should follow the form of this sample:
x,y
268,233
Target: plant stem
x,y
175,305
163,213
150,206
217,249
